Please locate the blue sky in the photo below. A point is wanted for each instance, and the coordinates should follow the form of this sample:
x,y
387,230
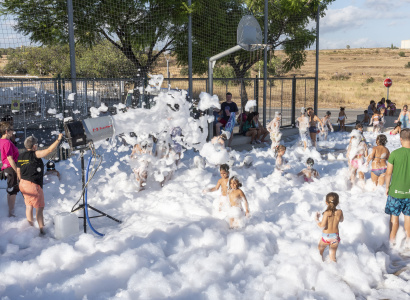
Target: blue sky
x,y
365,24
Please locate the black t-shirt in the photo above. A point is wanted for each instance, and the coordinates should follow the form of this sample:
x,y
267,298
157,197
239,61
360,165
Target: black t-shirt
x,y
31,167
232,107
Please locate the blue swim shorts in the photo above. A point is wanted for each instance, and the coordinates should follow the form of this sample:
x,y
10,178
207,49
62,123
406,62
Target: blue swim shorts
x,y
395,206
313,129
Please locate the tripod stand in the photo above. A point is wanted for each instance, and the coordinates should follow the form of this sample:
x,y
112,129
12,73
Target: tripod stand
x,y
85,206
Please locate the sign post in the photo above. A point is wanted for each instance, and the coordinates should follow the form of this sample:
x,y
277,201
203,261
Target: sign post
x,y
387,83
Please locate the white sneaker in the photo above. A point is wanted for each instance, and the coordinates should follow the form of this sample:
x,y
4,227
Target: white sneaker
x,y
258,141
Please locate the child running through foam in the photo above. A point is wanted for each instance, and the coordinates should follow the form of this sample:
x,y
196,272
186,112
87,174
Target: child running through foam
x,y
237,200
379,157
397,129
326,125
309,173
356,151
342,119
274,129
223,184
303,124
330,224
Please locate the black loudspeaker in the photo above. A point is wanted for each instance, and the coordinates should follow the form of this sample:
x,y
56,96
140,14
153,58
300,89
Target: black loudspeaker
x,y
75,134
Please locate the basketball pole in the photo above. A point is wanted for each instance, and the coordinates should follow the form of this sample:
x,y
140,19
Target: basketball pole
x,y
265,64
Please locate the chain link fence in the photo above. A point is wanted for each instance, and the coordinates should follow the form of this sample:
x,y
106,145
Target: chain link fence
x,y
116,45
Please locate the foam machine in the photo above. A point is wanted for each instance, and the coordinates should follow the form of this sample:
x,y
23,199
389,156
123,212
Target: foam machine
x,y
81,136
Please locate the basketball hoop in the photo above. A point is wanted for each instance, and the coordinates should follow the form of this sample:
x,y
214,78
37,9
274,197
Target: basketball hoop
x,y
249,34
248,38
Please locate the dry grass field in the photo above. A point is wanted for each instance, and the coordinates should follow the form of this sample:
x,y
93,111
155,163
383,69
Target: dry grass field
x,y
349,77
353,77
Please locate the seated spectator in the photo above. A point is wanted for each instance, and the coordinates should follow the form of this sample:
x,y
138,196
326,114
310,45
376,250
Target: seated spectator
x,y
249,128
227,108
262,131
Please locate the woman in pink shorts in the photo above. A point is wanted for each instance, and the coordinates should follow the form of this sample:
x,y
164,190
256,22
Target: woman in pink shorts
x,y
30,171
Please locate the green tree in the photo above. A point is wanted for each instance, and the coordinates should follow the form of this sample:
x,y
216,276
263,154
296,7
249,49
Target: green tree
x,y
134,27
288,22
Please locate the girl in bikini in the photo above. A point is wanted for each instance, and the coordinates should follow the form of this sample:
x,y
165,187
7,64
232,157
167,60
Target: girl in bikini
x,y
326,126
396,129
342,119
313,130
236,199
330,224
356,151
377,120
391,107
379,157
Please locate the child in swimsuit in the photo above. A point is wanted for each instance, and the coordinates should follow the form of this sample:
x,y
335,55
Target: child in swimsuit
x,y
391,107
237,200
223,184
281,162
379,157
342,119
309,173
326,125
330,224
303,124
396,129
274,129
377,120
356,151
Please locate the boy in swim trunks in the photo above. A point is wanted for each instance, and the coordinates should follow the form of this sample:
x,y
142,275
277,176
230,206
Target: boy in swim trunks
x,y
223,184
398,189
330,224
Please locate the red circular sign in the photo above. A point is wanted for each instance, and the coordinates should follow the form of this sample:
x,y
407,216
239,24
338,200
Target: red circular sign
x,y
387,82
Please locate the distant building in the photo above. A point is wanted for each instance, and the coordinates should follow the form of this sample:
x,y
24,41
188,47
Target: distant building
x,y
405,44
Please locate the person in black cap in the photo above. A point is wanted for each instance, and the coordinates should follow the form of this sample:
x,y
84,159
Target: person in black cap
x,y
51,172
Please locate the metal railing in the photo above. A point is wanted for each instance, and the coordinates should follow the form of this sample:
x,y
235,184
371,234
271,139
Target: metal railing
x,y
44,103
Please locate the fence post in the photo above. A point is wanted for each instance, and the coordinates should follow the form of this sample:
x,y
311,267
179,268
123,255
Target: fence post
x,y
256,95
294,101
190,86
70,12
24,110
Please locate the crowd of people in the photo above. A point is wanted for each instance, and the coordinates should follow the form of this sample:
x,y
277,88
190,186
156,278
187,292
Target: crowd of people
x,y
158,156
390,169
